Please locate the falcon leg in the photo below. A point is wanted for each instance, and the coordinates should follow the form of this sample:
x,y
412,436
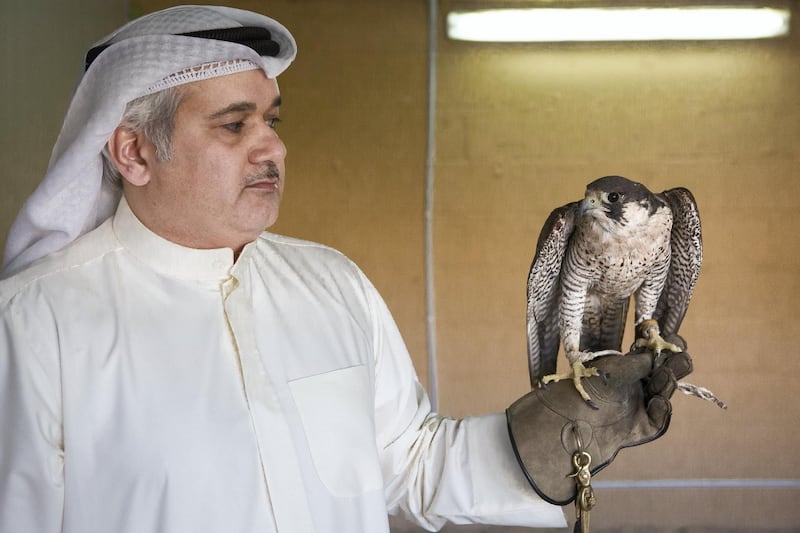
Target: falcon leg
x,y
651,338
578,372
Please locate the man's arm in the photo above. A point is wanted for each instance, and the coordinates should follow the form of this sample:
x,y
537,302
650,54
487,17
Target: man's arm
x,y
31,434
438,469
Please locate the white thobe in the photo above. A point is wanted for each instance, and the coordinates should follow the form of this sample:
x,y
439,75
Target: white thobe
x,y
148,387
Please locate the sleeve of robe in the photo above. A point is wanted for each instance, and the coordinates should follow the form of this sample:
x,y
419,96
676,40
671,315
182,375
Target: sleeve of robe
x,y
31,450
438,469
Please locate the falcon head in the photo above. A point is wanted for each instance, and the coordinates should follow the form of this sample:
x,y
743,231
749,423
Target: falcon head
x,y
614,201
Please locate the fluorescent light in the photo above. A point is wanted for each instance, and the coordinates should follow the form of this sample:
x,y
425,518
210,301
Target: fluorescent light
x,y
617,24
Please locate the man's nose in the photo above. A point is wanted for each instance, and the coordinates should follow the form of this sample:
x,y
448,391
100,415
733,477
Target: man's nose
x,y
268,146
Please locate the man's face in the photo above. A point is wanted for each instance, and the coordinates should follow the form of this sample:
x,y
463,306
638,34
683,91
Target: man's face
x,y
224,182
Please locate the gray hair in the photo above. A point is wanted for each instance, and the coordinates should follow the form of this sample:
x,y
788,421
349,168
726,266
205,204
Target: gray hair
x,y
153,114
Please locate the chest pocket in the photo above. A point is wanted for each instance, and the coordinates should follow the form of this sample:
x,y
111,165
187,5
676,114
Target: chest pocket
x,y
336,410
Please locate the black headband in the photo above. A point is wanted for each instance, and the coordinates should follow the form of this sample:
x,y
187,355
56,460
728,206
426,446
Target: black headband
x,y
255,37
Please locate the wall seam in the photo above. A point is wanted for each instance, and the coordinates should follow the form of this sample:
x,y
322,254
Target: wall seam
x,y
430,159
720,483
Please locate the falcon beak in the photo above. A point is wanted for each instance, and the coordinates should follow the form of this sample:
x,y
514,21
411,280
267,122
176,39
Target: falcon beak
x,y
591,201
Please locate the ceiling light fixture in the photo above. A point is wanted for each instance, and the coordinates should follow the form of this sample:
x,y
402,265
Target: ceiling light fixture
x,y
618,24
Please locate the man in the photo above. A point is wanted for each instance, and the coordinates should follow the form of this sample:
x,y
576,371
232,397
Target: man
x,y
168,366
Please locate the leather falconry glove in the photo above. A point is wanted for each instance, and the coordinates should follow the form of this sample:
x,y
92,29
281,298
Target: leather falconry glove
x,y
549,425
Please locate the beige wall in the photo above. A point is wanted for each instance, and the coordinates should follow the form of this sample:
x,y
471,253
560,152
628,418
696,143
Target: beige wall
x,y
520,130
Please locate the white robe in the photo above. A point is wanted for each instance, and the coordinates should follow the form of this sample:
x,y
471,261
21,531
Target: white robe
x,y
148,387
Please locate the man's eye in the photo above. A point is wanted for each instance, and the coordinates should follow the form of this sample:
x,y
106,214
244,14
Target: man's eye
x,y
234,127
273,122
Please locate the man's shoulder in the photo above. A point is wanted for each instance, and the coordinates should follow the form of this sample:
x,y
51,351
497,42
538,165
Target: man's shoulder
x,y
302,247
85,250
307,258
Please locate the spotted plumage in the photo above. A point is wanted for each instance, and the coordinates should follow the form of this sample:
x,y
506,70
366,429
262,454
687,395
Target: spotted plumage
x,y
620,241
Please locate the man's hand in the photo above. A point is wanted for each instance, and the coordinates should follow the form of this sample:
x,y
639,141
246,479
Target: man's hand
x,y
548,425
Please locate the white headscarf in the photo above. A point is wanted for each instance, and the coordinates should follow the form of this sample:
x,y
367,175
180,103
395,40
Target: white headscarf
x,y
143,56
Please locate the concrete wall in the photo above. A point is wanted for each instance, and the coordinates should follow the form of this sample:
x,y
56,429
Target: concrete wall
x,y
520,130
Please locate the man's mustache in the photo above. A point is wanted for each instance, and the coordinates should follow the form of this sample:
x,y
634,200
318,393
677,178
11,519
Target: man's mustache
x,y
268,171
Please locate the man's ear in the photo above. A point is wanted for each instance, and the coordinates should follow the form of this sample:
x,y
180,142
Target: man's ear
x,y
127,149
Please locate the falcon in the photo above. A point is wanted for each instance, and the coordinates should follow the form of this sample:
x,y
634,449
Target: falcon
x,y
592,255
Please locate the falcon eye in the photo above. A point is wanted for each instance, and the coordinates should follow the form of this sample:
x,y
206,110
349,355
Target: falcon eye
x,y
613,197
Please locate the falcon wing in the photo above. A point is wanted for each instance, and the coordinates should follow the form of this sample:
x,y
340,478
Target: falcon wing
x,y
687,255
543,289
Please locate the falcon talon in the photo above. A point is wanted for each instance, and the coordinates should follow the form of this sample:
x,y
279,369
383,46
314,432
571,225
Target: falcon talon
x,y
659,359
